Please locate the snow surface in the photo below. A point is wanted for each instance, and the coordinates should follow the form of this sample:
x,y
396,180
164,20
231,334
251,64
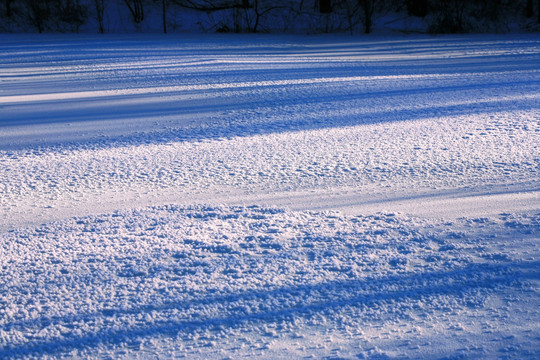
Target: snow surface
x,y
269,196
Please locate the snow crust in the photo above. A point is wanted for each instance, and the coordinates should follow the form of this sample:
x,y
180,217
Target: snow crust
x,y
269,196
217,281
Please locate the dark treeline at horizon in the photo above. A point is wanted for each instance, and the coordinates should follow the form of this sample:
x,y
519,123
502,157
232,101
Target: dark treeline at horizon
x,y
438,16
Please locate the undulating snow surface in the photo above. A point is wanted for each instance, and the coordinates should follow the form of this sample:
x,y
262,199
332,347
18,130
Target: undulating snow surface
x,y
270,197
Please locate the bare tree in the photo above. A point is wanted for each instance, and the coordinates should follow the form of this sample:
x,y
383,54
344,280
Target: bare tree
x,y
38,13
261,10
100,11
69,15
352,9
529,9
136,9
450,16
369,8
7,4
164,6
247,14
209,5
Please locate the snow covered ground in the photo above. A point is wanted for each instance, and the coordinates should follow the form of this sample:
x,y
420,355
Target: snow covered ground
x,y
269,196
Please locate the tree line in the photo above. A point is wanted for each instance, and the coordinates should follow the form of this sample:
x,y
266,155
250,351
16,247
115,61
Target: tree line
x,y
440,16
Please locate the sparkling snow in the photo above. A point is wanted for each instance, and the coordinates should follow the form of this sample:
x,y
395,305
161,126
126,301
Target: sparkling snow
x,y
269,196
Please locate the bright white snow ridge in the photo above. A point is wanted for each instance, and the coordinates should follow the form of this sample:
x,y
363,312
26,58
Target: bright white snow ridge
x,y
269,197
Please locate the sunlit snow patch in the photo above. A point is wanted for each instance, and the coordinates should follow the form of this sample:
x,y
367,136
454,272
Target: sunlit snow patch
x,y
235,281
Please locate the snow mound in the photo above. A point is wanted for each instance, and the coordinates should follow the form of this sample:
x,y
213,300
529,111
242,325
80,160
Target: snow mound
x,y
175,281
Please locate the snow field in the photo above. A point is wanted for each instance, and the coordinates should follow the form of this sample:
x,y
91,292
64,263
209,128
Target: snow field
x,y
439,155
216,277
269,197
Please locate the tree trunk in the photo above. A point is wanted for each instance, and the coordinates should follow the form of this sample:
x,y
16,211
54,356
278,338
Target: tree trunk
x,y
136,9
38,14
368,15
164,14
529,9
100,10
257,15
8,8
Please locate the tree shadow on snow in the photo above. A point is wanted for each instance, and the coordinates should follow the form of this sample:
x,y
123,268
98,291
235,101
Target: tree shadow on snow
x,y
467,286
169,117
248,108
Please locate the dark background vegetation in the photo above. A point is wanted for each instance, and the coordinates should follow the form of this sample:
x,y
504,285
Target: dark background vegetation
x,y
354,16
